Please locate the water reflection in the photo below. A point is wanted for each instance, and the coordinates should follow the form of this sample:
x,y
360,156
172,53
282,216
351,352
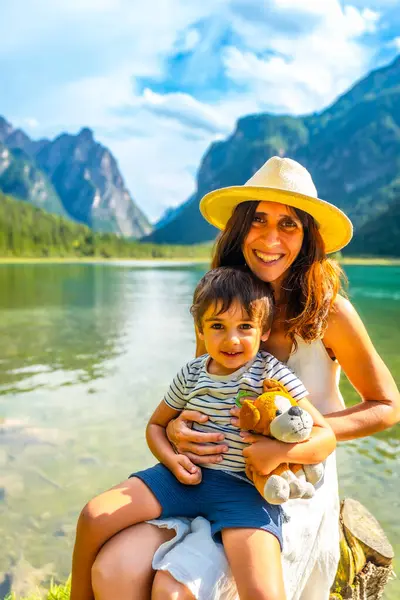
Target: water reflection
x,y
65,318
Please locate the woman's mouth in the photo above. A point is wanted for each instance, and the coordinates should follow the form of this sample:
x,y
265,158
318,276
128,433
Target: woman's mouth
x,y
267,258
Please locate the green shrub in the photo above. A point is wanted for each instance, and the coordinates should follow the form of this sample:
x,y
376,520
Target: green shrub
x,y
56,592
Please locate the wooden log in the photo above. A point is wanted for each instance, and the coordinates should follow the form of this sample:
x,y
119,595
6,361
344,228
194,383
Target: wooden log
x,y
366,555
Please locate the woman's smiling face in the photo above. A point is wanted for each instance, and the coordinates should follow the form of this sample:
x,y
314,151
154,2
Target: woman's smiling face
x,y
273,242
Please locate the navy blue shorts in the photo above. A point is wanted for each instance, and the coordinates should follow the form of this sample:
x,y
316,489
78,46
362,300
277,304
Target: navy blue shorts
x,y
223,499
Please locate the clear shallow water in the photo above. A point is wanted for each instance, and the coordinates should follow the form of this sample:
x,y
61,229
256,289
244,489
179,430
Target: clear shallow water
x,y
86,353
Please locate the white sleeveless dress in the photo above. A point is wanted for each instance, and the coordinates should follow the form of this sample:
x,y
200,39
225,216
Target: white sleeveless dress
x,y
311,535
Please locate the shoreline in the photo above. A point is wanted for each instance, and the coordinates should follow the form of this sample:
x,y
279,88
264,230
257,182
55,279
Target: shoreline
x,y
377,261
104,261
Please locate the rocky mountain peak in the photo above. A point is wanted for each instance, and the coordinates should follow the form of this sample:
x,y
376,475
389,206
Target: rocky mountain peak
x,y
18,139
5,129
86,134
84,180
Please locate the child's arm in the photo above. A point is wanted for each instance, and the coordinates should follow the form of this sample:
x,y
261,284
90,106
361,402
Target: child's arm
x,y
180,465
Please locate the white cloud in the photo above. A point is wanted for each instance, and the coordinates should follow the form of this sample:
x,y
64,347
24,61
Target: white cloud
x,y
356,22
128,30
183,108
396,43
305,73
24,23
28,123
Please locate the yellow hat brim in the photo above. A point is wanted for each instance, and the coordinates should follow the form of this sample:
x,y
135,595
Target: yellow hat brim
x,y
335,227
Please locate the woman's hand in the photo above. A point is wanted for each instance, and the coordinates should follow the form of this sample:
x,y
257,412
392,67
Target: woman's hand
x,y
263,454
198,446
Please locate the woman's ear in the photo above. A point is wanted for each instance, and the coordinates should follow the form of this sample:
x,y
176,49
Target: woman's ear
x,y
265,335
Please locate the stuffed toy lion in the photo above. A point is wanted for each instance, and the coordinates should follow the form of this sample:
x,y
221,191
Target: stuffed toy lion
x,y
276,414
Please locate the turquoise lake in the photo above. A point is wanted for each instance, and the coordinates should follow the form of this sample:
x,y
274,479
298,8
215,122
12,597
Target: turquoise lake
x,y
87,351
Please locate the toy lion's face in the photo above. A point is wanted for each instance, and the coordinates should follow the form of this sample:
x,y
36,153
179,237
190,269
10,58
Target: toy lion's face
x,y
277,414
291,422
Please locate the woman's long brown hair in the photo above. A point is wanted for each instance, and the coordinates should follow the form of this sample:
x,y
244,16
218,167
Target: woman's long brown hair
x,y
312,283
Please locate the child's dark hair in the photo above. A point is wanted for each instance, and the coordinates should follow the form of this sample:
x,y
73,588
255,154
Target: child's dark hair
x,y
224,285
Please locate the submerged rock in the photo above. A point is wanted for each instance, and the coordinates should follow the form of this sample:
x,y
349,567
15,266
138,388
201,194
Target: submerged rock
x,y
5,585
15,431
22,578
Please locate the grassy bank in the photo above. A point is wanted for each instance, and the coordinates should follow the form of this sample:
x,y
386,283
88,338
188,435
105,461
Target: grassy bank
x,y
203,259
56,592
100,260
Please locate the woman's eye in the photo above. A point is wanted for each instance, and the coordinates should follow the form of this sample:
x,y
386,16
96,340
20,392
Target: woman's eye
x,y
288,224
258,219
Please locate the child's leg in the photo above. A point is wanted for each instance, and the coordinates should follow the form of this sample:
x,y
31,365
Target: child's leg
x,y
120,507
254,556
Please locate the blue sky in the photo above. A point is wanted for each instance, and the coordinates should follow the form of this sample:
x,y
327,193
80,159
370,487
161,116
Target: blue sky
x,y
158,81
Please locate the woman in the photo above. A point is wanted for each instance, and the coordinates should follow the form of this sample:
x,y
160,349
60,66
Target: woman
x,y
276,225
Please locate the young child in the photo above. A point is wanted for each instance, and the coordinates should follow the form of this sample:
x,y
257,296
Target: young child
x,y
232,310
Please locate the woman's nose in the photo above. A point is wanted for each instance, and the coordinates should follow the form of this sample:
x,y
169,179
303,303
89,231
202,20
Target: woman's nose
x,y
271,235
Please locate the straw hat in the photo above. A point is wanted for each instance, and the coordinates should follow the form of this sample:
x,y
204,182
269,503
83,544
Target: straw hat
x,y
285,181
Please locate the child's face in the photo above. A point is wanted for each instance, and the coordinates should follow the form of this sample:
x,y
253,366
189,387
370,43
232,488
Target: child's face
x,y
231,338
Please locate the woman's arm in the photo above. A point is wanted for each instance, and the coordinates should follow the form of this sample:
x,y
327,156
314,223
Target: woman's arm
x,y
265,454
318,447
348,339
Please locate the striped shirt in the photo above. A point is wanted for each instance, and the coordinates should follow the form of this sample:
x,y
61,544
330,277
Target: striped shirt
x,y
194,388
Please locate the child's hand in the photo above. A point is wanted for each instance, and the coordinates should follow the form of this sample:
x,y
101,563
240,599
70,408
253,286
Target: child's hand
x,y
185,471
235,412
263,454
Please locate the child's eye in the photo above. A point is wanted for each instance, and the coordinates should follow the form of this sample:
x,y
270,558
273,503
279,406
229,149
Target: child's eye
x,y
246,326
216,326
